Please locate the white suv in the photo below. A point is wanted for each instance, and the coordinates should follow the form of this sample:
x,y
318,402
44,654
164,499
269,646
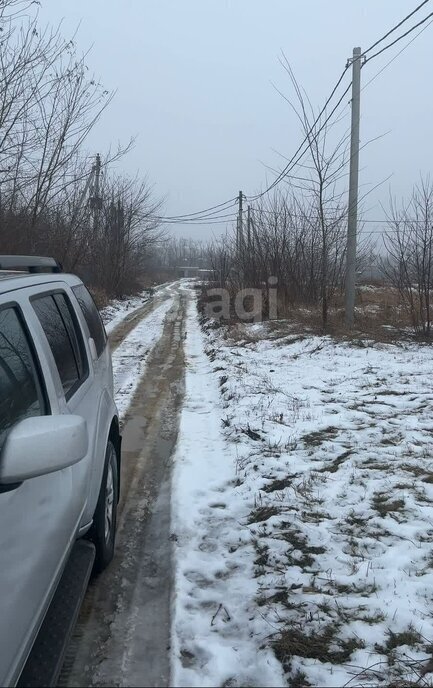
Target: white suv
x,y
59,444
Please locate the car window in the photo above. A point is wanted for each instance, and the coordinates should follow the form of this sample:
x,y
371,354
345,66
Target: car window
x,y
73,332
20,390
93,319
64,338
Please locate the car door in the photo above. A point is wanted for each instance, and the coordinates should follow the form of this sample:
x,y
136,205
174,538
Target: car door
x,y
98,403
37,516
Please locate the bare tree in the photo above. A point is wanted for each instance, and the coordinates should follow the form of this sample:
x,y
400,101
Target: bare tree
x,y
319,178
49,103
409,263
123,234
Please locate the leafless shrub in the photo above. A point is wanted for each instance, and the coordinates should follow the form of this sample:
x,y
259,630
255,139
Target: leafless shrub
x,y
49,103
409,263
298,235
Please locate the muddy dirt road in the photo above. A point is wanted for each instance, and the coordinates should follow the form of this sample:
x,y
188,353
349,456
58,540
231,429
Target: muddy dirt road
x,y
122,330
123,633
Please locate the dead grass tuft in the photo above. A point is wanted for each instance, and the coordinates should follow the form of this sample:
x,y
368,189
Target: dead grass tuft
x,y
336,463
409,637
262,513
262,554
317,437
324,646
382,503
280,483
299,680
300,544
372,464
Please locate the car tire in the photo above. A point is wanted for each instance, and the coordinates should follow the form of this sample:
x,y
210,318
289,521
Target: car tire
x,y
103,530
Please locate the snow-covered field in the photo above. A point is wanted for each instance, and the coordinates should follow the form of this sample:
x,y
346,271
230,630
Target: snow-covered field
x,y
303,511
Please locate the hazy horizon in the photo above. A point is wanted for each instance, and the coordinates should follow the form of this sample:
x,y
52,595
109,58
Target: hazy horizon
x,y
195,82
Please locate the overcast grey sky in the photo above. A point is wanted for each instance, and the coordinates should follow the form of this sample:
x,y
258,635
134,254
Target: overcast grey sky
x,y
193,80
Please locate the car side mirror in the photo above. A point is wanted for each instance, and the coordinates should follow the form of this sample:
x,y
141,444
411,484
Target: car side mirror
x,y
43,444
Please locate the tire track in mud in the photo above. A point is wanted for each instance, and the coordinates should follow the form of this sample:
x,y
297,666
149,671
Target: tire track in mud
x,y
123,632
121,331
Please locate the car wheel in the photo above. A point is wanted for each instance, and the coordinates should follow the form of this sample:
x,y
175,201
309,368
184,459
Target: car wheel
x,y
103,530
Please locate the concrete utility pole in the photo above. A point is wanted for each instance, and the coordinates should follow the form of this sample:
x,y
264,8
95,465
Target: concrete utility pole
x,y
97,175
353,190
249,228
95,199
240,228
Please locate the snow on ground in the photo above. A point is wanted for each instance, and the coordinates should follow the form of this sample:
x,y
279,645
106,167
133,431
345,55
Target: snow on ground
x,y
130,358
113,314
118,309
215,618
303,511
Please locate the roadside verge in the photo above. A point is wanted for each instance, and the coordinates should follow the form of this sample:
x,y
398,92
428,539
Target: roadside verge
x,y
217,630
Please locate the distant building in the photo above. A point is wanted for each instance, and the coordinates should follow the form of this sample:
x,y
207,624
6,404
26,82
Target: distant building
x,y
186,271
193,271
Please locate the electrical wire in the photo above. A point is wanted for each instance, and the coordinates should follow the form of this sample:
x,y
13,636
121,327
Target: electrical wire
x,y
294,159
213,216
188,220
394,28
193,224
396,55
361,221
403,35
392,60
200,217
201,212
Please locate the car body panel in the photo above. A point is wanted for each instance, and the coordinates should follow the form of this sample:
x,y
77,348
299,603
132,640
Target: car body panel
x,y
43,516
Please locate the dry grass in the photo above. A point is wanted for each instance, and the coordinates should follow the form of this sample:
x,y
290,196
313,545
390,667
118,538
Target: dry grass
x,y
409,637
100,298
280,484
384,505
336,463
380,316
325,646
262,513
317,437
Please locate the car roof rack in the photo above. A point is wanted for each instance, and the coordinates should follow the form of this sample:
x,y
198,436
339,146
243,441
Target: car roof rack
x,y
32,264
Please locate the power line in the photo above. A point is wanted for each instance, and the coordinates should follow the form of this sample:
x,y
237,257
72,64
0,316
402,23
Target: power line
x,y
397,26
394,230
199,217
406,220
396,55
208,222
201,212
222,219
292,162
211,216
392,60
403,35
343,215
294,159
